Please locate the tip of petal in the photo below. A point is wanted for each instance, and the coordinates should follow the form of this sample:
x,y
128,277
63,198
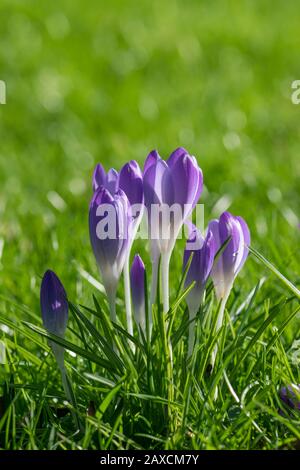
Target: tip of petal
x,y
50,276
151,159
98,176
100,196
138,262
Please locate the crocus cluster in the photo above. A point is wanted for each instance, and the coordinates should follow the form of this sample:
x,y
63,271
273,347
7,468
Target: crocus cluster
x,y
163,187
220,255
167,191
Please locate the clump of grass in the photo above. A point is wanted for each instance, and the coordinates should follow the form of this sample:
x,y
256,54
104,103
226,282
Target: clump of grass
x,y
136,398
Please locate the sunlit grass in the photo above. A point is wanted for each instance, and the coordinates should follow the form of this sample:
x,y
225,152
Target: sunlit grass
x,y
109,82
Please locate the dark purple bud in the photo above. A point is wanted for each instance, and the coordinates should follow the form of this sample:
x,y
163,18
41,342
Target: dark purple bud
x,y
54,304
137,280
290,395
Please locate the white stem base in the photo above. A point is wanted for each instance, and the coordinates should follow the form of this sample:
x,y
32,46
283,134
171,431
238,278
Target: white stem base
x,y
165,264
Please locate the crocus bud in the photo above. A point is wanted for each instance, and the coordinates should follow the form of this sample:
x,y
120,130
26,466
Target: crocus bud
x,y
129,180
109,220
290,395
171,190
54,304
203,252
177,181
137,278
235,232
54,307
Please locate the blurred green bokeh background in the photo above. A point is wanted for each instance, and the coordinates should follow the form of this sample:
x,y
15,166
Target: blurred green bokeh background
x,y
109,81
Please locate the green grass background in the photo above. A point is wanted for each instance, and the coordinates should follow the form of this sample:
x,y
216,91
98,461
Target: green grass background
x,y
106,82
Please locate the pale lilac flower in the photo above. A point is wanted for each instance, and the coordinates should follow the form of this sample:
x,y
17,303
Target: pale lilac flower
x,y
130,181
109,220
230,233
172,187
233,230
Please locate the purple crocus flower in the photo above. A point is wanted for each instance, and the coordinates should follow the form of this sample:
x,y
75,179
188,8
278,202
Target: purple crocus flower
x,y
173,188
203,251
137,277
54,308
233,257
290,395
129,180
109,220
234,231
54,304
177,181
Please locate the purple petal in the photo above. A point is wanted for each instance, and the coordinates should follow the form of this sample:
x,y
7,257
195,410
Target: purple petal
x,y
153,183
233,256
110,249
112,181
99,177
131,182
184,177
200,267
137,278
151,159
247,241
230,228
179,153
203,258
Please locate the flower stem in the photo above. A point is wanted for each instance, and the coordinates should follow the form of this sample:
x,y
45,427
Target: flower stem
x,y
59,352
165,281
111,296
154,280
218,326
167,341
192,327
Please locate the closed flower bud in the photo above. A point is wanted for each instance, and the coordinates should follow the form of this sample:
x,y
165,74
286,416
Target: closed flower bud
x,y
234,231
137,278
54,304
